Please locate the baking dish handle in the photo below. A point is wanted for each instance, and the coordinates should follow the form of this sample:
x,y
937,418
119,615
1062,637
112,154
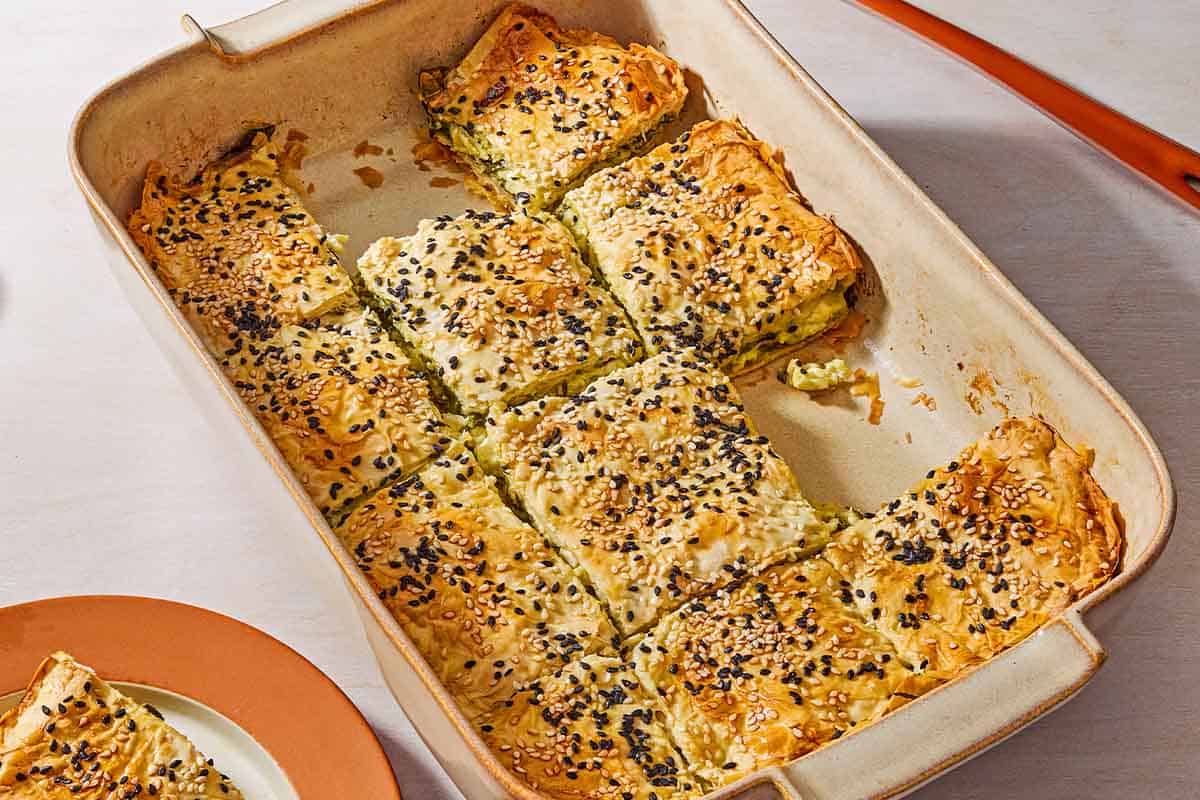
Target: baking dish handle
x,y
951,724
271,26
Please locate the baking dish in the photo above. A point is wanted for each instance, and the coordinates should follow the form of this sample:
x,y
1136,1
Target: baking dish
x,y
337,74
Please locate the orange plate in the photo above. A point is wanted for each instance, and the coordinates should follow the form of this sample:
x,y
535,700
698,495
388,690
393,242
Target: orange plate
x,y
277,696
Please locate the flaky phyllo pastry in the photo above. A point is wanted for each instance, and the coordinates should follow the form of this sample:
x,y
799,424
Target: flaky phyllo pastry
x,y
499,306
75,737
237,250
984,550
589,730
486,600
653,481
706,245
262,285
771,670
534,108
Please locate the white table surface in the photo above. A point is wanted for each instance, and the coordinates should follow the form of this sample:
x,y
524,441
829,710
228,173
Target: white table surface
x,y
107,470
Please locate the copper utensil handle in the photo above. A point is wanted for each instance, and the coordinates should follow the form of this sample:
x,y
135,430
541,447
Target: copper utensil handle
x,y
1166,162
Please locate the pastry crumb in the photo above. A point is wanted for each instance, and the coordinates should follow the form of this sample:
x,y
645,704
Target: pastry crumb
x,y
866,384
365,148
815,376
923,399
371,177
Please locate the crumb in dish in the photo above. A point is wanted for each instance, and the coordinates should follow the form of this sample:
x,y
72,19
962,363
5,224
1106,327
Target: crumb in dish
x,y
535,108
653,481
499,306
706,245
487,602
816,376
74,736
866,384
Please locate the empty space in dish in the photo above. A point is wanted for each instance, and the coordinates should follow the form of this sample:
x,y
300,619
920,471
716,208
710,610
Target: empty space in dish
x,y
954,346
237,753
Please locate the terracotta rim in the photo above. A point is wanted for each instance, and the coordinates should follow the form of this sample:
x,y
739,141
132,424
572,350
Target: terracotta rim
x,y
312,730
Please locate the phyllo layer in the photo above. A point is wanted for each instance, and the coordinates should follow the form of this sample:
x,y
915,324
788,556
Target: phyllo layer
x,y
237,251
589,731
342,403
479,592
984,550
653,481
705,244
770,670
500,306
533,108
75,737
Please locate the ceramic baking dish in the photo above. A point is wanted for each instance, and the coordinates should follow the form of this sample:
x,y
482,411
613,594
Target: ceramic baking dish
x,y
941,314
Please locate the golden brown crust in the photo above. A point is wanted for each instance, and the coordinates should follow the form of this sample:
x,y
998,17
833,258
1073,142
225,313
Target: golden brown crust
x,y
763,673
342,403
479,592
589,731
74,737
254,275
652,481
537,107
706,245
500,304
237,251
983,551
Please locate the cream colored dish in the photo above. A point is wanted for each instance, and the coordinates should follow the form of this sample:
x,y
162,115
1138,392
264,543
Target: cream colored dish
x,y
956,304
